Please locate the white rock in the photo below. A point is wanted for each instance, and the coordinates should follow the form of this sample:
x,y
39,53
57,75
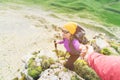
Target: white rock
x,y
48,53
64,75
101,43
48,75
26,58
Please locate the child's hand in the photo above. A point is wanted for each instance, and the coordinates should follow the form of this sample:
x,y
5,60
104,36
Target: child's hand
x,y
83,49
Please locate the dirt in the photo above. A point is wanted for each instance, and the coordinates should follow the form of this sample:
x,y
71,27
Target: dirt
x,y
24,30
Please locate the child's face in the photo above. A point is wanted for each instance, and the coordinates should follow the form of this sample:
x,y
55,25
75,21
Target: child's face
x,y
66,34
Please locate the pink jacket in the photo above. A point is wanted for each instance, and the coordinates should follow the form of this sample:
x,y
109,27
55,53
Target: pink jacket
x,y
107,67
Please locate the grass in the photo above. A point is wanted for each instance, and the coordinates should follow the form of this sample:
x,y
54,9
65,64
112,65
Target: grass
x,y
92,9
111,17
83,8
116,6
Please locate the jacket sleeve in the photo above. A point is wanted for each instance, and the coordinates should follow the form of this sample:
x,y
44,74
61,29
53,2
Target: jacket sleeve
x,y
61,42
107,67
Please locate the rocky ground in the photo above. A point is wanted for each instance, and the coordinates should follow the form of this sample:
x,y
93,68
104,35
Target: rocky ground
x,y
24,30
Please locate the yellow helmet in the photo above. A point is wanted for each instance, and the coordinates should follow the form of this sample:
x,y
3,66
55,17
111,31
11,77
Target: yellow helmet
x,y
71,27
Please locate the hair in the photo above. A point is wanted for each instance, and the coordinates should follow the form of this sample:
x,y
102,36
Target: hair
x,y
72,37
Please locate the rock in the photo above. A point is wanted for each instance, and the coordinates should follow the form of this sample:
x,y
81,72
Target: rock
x,y
26,58
57,72
48,75
99,42
29,77
38,61
48,53
42,66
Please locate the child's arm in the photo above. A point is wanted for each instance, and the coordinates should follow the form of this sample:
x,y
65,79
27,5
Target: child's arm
x,y
60,42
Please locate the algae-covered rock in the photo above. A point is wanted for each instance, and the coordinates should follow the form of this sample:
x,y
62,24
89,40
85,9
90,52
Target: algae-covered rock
x,y
83,70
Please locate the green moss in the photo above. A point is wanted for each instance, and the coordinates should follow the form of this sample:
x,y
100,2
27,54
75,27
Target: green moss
x,y
52,61
116,46
62,58
106,51
74,78
35,72
16,78
23,76
34,53
46,62
83,70
61,53
31,62
65,69
43,57
80,62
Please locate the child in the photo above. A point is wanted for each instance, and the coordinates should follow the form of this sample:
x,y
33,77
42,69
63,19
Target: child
x,y
71,44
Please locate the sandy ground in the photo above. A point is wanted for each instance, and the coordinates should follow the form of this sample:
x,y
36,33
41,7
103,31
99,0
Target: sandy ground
x,y
24,30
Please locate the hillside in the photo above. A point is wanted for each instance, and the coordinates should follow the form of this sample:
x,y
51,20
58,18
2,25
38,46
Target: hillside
x,y
105,11
27,26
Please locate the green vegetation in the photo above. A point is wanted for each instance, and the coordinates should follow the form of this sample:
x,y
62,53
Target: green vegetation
x,y
116,46
115,6
92,9
16,78
35,71
106,51
46,63
74,77
83,70
62,54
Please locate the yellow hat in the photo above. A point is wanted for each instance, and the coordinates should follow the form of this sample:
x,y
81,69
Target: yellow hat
x,y
71,27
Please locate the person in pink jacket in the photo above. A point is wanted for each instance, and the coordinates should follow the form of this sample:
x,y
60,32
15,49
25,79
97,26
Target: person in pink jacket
x,y
107,67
